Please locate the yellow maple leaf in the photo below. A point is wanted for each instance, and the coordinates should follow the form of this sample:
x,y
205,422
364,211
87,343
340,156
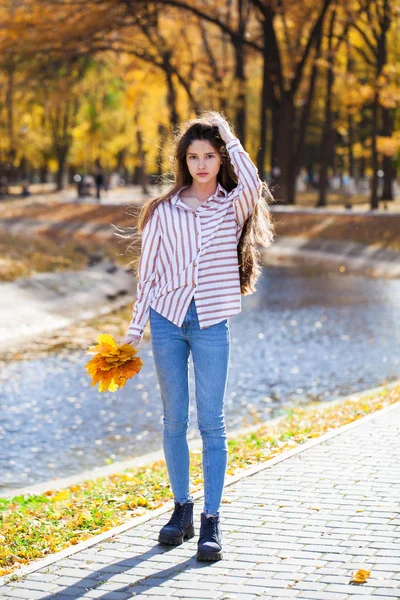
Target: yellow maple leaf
x,y
81,517
63,495
360,576
106,338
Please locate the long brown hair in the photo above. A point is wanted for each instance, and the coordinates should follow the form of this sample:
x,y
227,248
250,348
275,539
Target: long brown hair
x,y
258,229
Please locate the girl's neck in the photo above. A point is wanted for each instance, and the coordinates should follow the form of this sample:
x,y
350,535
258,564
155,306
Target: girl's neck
x,y
202,191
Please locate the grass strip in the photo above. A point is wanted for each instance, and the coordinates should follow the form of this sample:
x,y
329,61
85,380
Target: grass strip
x,y
34,526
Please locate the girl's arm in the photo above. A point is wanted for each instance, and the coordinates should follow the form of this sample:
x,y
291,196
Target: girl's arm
x,y
247,191
145,276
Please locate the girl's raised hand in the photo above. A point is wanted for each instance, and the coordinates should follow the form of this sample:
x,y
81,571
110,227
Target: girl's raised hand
x,y
223,126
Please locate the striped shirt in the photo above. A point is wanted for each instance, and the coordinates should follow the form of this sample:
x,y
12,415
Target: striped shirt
x,y
190,253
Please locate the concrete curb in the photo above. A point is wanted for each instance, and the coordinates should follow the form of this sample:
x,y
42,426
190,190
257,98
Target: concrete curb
x,y
48,302
230,480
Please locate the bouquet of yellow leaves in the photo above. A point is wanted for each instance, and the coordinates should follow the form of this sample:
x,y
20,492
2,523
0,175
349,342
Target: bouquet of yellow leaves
x,y
112,364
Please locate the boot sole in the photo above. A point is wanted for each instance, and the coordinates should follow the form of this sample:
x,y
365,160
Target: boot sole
x,y
213,556
176,541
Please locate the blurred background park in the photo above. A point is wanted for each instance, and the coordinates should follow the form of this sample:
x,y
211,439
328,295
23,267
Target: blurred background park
x,y
95,87
91,94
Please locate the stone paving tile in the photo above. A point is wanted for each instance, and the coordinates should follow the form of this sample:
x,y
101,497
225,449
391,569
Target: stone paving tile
x,y
301,538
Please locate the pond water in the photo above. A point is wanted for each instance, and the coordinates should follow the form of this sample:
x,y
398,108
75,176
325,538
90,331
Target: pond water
x,y
304,336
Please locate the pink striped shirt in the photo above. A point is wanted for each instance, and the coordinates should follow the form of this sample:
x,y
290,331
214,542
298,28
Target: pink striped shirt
x,y
188,252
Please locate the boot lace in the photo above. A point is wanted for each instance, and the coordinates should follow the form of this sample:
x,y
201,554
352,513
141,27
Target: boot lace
x,y
178,515
210,531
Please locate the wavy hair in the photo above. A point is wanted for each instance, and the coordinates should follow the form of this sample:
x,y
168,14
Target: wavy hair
x,y
258,229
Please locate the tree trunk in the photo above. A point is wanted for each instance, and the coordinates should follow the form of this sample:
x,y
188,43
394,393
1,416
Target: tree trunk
x,y
362,167
162,136
171,99
350,122
298,151
240,77
284,124
374,132
350,127
120,158
61,159
266,101
325,153
44,171
285,118
381,59
274,134
141,167
9,104
387,161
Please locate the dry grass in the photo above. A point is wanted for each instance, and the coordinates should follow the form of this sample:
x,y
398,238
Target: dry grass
x,y
379,231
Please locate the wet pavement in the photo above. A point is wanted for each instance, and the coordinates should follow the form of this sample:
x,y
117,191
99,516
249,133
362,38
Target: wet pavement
x,y
304,336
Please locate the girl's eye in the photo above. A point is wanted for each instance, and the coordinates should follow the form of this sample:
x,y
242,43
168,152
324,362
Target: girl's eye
x,y
208,156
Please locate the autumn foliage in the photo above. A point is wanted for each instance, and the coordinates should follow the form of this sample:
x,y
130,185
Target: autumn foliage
x,y
112,364
308,85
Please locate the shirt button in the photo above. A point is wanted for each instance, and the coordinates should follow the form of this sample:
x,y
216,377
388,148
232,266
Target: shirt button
x,y
195,264
194,285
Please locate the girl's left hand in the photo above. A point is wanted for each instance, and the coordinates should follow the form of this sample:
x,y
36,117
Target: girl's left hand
x,y
224,128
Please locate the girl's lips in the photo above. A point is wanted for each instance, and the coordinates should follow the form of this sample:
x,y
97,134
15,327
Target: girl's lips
x,y
202,174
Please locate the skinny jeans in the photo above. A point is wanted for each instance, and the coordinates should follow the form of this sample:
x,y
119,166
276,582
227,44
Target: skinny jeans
x,y
210,349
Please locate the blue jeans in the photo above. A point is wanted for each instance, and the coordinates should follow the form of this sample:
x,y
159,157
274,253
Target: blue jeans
x,y
210,349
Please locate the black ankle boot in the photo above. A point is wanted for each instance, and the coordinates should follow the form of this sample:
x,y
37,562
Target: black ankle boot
x,y
209,546
180,527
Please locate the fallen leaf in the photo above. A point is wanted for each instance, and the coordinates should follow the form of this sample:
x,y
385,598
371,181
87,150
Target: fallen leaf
x,y
359,576
63,495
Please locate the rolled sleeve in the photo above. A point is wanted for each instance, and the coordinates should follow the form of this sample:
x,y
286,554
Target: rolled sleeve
x,y
247,192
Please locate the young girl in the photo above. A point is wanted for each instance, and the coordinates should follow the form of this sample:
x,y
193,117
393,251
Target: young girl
x,y
198,256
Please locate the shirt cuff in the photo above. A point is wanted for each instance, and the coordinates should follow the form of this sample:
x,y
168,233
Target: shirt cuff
x,y
135,330
234,144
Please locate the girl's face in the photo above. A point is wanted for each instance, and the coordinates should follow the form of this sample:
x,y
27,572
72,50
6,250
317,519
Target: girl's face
x,y
203,161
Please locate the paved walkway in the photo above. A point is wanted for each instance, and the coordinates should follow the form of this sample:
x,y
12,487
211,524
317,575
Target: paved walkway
x,y
296,529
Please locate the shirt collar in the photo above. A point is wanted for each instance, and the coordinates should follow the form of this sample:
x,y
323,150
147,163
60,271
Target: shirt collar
x,y
220,191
